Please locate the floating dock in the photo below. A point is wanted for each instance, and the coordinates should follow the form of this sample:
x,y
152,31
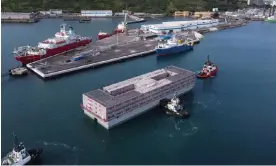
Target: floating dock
x,y
112,49
122,101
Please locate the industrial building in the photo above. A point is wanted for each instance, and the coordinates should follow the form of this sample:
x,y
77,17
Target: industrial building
x,y
178,26
270,2
55,11
202,14
182,13
255,2
17,16
119,14
96,13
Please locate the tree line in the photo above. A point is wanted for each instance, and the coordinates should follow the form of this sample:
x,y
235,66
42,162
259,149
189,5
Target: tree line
x,y
150,6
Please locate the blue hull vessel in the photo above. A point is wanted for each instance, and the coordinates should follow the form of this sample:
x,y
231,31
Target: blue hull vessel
x,y
173,49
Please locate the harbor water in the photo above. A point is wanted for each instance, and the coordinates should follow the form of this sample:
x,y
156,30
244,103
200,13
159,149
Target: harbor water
x,y
232,115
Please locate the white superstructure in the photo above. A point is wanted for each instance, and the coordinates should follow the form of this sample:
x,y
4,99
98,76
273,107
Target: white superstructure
x,y
18,156
119,102
177,26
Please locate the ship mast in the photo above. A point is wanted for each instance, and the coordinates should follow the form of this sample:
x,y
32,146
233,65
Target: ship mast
x,y
125,22
15,143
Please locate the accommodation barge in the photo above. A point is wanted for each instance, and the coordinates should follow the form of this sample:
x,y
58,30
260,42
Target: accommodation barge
x,y
119,102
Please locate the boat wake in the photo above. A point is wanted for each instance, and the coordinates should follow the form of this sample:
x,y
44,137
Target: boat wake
x,y
190,131
201,104
213,103
74,148
187,132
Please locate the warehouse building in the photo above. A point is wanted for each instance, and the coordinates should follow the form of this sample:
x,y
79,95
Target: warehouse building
x,y
55,11
96,13
19,16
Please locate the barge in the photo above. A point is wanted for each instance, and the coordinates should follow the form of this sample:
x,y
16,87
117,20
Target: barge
x,y
119,102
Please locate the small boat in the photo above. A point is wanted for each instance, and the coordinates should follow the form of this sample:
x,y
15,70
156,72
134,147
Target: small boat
x,y
271,19
85,20
173,46
20,71
209,69
173,107
20,156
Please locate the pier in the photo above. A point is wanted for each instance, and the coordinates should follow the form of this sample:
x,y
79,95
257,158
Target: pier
x,y
112,49
136,19
11,17
109,50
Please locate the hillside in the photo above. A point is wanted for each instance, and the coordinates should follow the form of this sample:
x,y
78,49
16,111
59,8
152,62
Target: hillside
x,y
152,6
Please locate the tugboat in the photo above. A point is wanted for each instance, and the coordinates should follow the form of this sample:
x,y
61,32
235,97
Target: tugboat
x,y
21,156
173,107
209,69
85,20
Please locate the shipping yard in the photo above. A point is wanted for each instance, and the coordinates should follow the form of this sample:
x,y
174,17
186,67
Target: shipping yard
x,y
99,54
190,94
113,49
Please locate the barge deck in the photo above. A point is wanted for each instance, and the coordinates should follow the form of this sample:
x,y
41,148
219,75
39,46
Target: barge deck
x,y
108,50
103,52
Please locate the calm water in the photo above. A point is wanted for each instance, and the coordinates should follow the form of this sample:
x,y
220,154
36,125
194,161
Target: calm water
x,y
233,115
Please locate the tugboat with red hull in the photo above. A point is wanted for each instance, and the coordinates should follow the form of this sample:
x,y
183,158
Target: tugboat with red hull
x,y
209,70
64,41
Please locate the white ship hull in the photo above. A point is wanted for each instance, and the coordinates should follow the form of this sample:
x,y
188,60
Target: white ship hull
x,y
137,111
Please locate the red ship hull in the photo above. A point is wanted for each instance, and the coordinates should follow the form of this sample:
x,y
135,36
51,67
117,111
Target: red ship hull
x,y
212,73
51,52
102,36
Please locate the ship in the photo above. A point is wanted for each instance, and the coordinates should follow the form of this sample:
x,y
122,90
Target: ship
x,y
20,155
122,101
209,69
271,19
85,20
121,28
173,46
173,107
64,41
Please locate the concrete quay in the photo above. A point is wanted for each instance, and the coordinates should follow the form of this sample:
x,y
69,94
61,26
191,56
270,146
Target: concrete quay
x,y
12,17
136,19
112,49
19,20
102,52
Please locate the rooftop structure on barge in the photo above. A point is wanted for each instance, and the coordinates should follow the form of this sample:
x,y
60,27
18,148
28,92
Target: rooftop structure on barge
x,y
122,101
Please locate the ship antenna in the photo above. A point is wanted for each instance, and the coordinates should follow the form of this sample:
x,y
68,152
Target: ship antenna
x,y
15,141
